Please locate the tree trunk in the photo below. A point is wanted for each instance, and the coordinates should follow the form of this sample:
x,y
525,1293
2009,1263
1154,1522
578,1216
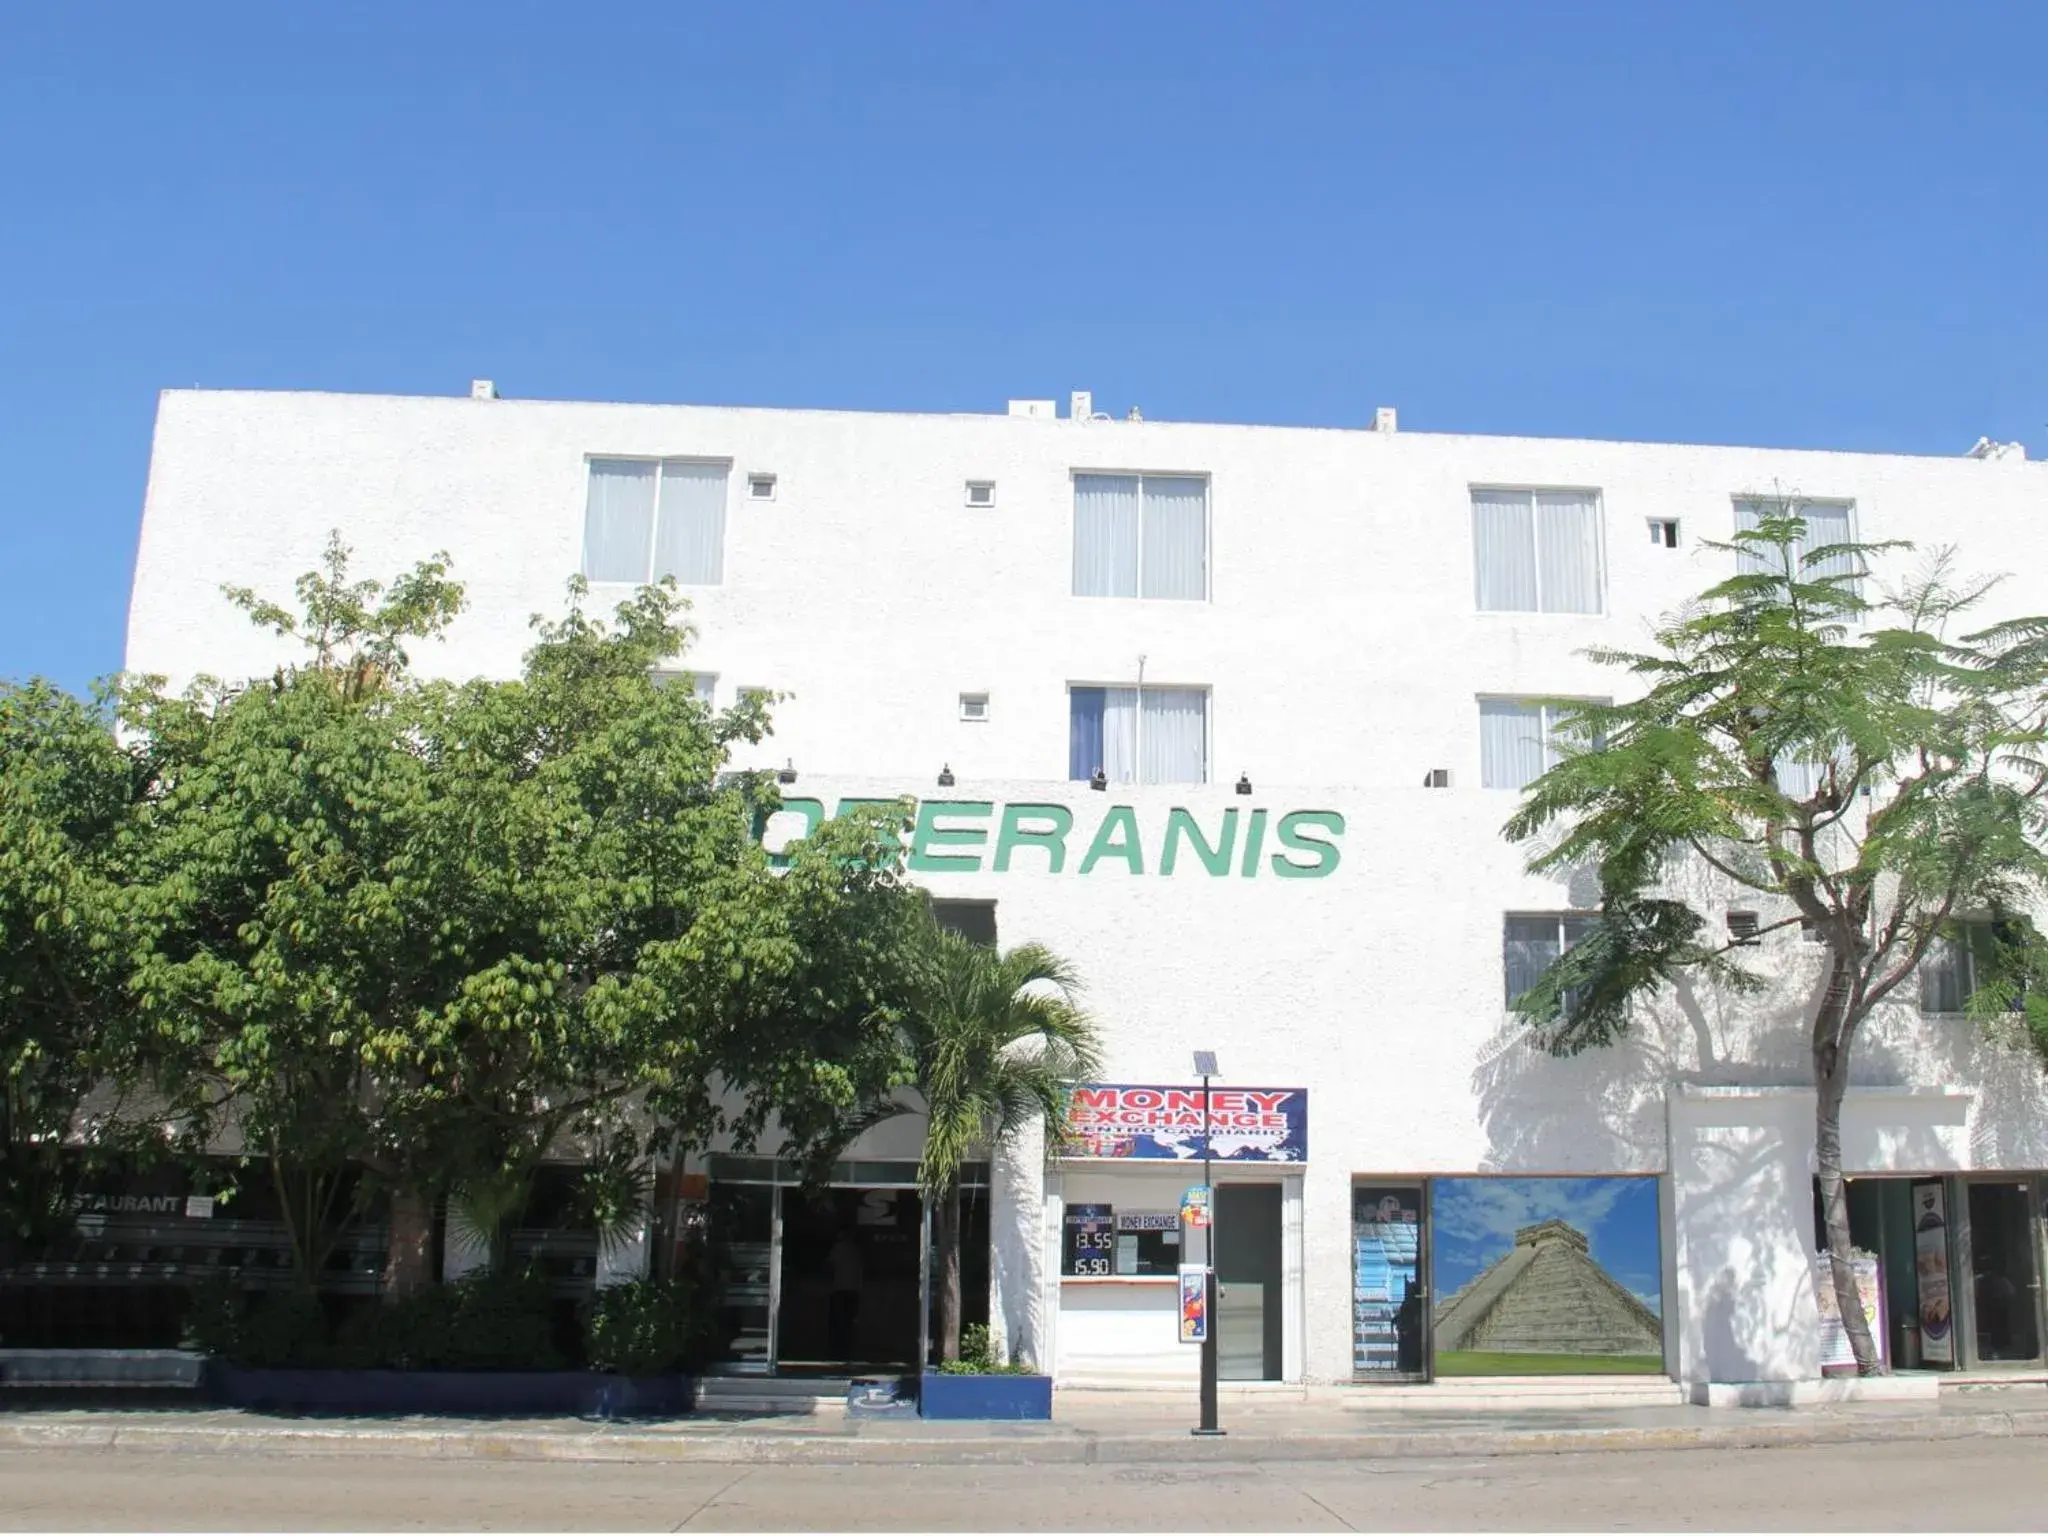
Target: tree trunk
x,y
1831,1080
409,1246
946,1240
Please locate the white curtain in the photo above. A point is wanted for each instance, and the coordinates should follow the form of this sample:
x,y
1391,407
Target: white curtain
x,y
1504,551
1175,741
618,520
1120,735
1105,536
1568,551
1511,753
1528,946
1827,525
1175,537
690,537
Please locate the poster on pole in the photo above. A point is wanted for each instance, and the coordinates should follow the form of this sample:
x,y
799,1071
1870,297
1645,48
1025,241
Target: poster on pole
x,y
1836,1352
1194,1304
1930,1268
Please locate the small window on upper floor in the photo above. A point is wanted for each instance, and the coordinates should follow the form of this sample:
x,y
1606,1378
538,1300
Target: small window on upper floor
x,y
704,685
1141,536
1664,532
1828,523
972,920
760,487
644,519
1537,551
1531,942
981,493
1521,740
1138,735
1954,968
974,707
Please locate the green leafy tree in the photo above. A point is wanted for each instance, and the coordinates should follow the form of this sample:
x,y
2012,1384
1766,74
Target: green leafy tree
x,y
993,1042
69,794
435,933
1871,769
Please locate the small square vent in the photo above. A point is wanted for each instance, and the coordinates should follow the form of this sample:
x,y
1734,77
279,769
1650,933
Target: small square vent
x,y
974,707
760,487
981,493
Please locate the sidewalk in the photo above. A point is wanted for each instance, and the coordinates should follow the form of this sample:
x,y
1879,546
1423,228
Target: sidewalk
x,y
1088,1428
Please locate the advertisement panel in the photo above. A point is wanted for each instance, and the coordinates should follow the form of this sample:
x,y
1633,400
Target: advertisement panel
x,y
1194,1304
1135,1120
1835,1350
1930,1267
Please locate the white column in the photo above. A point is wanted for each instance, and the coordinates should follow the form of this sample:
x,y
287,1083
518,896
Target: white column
x,y
1017,1258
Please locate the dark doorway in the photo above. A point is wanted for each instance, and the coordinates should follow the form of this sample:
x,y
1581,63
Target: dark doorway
x,y
2004,1277
850,1289
1249,1310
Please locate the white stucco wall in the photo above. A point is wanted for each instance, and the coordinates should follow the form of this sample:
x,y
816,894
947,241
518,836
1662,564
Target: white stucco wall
x,y
1344,657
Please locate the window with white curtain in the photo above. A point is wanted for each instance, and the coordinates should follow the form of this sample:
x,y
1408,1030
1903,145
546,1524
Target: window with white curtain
x,y
1531,943
1520,740
1138,735
1537,551
1827,523
1141,536
1955,967
644,519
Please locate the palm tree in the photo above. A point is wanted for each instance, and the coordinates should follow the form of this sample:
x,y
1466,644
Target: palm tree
x,y
996,1042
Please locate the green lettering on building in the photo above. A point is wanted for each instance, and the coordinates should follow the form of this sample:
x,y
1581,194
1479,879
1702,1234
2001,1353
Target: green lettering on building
x,y
954,837
929,835
1121,818
1182,824
1013,834
1292,836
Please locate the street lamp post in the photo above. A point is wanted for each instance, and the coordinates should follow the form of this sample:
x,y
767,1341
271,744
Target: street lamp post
x,y
1205,1068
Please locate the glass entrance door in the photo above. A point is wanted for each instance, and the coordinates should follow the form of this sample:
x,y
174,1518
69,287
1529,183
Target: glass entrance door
x,y
1389,1303
1249,1316
2005,1274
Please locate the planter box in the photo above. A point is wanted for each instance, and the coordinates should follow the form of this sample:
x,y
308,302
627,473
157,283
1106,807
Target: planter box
x,y
984,1397
584,1394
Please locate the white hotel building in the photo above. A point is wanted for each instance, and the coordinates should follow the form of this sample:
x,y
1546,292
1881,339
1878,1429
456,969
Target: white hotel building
x,y
1294,655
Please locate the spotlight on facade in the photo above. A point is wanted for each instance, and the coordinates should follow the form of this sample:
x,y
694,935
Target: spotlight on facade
x,y
1244,783
946,776
786,774
1098,780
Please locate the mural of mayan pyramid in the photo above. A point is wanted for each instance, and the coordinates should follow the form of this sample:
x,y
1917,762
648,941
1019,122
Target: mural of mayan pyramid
x,y
1546,1295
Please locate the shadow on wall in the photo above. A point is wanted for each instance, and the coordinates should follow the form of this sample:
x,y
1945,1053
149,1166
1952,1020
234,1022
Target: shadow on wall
x,y
1603,1111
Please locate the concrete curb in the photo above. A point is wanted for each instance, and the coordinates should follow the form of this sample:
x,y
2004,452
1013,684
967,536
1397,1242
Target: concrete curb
x,y
1054,1447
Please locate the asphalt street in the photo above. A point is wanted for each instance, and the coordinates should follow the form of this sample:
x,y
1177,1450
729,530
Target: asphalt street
x,y
1987,1484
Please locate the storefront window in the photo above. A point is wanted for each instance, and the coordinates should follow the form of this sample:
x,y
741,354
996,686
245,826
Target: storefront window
x,y
1101,1241
1536,1277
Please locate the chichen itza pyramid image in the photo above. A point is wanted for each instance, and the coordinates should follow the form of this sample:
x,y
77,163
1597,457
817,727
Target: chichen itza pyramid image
x,y
1546,1295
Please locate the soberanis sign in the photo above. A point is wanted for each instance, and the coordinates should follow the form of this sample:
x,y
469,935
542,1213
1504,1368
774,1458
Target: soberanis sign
x,y
972,836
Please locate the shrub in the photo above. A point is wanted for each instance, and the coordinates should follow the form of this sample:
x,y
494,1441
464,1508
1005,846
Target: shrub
x,y
648,1327
978,1356
482,1322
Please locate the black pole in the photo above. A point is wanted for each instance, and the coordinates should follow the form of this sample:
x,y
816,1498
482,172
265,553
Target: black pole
x,y
1208,1284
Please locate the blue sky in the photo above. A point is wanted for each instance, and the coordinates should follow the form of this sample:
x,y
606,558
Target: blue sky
x,y
1812,225
1475,1222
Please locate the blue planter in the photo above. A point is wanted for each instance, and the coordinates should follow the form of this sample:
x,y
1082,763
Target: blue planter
x,y
984,1397
583,1394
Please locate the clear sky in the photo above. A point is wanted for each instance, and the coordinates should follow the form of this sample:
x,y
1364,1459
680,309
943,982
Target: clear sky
x,y
1815,224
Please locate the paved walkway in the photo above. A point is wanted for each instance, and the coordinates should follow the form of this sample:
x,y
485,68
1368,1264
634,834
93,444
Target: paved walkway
x,y
1972,1485
1095,1428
